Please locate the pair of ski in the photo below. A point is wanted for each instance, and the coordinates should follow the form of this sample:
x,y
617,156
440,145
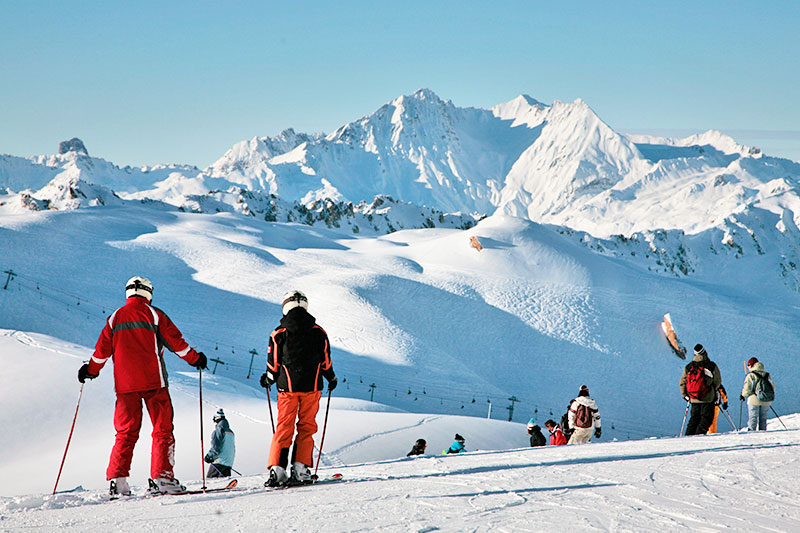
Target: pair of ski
x,y
315,480
231,484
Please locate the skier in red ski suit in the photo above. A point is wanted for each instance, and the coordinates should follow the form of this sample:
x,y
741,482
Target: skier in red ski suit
x,y
298,357
136,335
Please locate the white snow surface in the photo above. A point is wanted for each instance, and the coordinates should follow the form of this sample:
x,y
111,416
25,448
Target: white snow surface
x,y
729,481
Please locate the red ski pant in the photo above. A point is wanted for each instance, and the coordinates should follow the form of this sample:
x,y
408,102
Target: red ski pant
x,y
128,422
303,407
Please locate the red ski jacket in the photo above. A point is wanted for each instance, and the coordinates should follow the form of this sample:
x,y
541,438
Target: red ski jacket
x,y
135,335
557,437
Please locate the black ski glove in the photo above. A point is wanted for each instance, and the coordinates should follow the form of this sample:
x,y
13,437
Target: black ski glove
x,y
725,405
741,398
83,373
266,380
597,433
202,361
332,383
207,459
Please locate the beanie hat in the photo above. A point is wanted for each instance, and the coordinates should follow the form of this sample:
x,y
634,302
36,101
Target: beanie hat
x,y
531,423
584,391
292,299
459,438
220,414
752,361
699,350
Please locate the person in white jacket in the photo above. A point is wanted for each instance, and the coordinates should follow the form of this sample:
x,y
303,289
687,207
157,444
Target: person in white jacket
x,y
583,418
223,448
757,410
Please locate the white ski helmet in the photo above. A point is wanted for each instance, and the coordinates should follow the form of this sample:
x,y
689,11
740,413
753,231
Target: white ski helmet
x,y
292,299
139,286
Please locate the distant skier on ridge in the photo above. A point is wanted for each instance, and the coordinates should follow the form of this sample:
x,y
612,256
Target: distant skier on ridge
x,y
136,335
537,438
758,401
700,380
298,357
583,417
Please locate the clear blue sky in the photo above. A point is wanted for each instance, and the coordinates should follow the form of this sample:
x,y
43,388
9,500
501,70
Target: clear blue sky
x,y
170,81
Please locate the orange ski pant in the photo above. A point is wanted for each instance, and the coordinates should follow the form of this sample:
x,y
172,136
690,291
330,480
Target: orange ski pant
x,y
302,407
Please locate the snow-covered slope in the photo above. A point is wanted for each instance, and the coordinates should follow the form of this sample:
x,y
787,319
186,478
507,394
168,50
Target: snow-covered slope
x,y
434,324
707,482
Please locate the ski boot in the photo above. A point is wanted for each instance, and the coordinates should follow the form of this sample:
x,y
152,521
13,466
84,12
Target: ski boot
x,y
301,475
119,487
162,485
277,477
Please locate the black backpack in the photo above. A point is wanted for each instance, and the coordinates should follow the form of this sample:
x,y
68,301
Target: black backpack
x,y
763,388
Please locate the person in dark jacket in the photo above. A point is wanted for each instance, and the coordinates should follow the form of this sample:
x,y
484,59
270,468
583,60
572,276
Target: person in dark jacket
x,y
418,448
702,403
457,446
223,447
565,429
537,438
298,357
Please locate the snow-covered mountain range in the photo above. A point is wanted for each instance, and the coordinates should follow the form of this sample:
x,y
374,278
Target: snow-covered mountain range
x,y
420,161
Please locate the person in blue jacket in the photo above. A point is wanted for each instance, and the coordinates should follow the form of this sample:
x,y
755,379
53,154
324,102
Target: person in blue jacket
x,y
223,448
457,446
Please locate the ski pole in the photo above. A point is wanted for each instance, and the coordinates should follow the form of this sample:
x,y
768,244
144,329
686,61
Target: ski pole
x,y
202,446
324,427
728,416
68,439
269,404
779,418
686,412
740,412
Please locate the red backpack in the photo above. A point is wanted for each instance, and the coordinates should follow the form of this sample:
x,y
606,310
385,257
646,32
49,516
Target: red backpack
x,y
697,382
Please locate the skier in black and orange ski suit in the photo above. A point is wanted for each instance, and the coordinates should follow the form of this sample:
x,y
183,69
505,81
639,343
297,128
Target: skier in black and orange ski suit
x,y
299,356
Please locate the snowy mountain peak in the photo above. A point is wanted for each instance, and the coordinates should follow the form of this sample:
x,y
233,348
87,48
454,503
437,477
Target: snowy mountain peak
x,y
521,110
72,145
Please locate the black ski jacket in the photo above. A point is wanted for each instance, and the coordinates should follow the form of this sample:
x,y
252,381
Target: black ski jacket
x,y
537,438
299,353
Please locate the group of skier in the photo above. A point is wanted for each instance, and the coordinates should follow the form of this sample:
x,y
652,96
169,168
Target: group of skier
x,y
701,387
136,335
582,417
298,359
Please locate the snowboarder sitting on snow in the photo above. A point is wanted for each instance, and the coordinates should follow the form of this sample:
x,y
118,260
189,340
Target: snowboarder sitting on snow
x,y
583,417
418,448
537,438
457,446
136,335
298,357
700,380
757,407
223,448
556,435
